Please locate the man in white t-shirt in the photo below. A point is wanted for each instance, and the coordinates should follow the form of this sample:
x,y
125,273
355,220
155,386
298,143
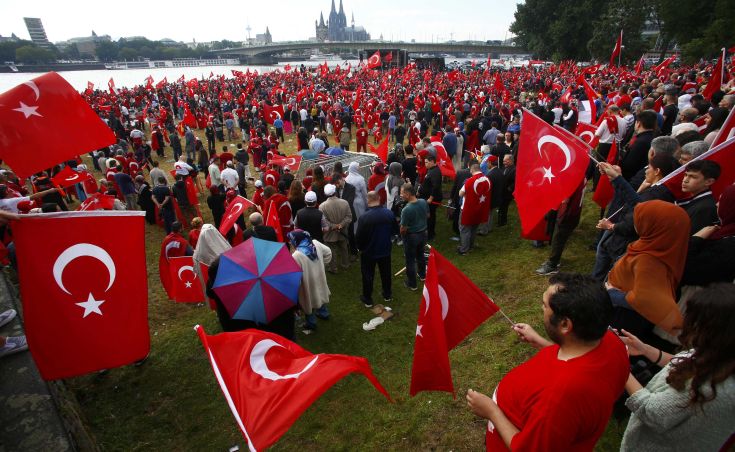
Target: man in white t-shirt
x,y
11,204
229,176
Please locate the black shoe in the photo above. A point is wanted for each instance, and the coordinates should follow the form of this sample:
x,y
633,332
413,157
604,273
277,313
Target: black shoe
x,y
405,283
547,268
366,303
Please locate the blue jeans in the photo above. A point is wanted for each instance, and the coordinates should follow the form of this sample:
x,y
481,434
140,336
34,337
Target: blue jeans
x,y
413,248
618,300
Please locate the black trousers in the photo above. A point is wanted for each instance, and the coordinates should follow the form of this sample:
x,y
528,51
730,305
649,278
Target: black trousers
x,y
431,222
367,266
562,232
503,211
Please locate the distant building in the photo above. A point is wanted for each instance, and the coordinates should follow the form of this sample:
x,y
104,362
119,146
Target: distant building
x,y
263,38
193,44
11,38
336,29
87,45
38,34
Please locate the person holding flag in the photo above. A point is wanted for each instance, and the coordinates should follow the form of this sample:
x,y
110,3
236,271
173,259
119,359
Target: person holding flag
x,y
562,397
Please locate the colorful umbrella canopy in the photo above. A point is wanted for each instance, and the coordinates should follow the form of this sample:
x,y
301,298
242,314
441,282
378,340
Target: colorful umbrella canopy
x,y
257,280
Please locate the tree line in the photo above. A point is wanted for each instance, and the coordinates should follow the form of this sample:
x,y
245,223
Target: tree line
x,y
587,29
27,52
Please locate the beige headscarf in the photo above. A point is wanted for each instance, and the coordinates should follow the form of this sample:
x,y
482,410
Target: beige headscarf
x,y
209,247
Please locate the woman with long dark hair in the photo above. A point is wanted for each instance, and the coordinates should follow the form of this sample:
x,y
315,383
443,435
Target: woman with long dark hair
x,y
689,404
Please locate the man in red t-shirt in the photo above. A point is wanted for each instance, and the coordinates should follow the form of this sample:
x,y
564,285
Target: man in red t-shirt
x,y
362,138
561,398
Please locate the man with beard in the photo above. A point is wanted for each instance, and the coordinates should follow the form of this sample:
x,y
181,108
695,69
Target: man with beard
x,y
561,398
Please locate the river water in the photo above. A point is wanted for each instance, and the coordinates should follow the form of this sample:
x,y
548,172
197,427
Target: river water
x,y
132,77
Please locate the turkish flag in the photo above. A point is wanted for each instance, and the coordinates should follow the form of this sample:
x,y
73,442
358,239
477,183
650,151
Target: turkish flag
x,y
293,162
173,245
162,83
551,164
727,130
476,203
180,79
90,86
287,67
237,207
591,96
358,99
382,150
616,50
586,132
591,70
111,85
451,308
272,220
443,161
388,57
605,192
374,60
68,177
97,201
189,118
271,113
640,66
723,154
47,110
715,81
269,381
185,284
85,294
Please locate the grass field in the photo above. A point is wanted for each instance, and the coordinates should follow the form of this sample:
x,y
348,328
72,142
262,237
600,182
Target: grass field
x,y
173,402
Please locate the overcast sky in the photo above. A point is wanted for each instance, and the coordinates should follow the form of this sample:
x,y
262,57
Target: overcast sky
x,y
288,20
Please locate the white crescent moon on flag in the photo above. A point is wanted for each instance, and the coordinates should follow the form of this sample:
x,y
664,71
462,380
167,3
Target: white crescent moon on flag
x,y
562,145
257,362
235,210
479,180
185,268
74,177
290,161
34,87
587,133
373,59
442,297
79,250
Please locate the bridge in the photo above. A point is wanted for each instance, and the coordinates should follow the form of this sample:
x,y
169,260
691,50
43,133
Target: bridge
x,y
266,50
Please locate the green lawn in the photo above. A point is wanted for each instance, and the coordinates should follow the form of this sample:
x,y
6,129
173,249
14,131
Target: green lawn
x,y
173,401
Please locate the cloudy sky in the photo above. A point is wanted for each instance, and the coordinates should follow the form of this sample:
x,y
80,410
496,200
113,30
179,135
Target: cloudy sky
x,y
288,20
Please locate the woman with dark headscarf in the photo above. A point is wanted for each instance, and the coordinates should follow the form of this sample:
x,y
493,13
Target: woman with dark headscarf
x,y
312,256
643,283
711,256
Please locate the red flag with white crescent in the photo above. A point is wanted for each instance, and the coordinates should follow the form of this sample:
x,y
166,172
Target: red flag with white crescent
x,y
374,60
451,308
269,381
235,209
68,177
293,162
476,200
551,164
586,132
185,284
47,109
97,201
85,294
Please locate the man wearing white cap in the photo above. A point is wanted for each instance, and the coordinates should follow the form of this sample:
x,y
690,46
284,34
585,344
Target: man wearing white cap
x,y
311,219
229,177
338,216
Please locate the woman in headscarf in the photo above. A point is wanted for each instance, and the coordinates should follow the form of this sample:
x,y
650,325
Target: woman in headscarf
x,y
643,283
355,179
377,182
711,256
393,184
312,256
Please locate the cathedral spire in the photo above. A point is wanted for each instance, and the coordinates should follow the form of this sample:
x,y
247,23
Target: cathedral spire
x,y
321,19
341,10
334,10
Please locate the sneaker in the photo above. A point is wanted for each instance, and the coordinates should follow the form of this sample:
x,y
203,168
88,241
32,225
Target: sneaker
x,y
7,316
460,252
405,283
367,303
547,269
422,278
13,344
454,238
387,299
307,331
399,242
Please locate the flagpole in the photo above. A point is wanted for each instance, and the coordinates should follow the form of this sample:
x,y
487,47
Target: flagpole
x,y
512,323
615,213
620,54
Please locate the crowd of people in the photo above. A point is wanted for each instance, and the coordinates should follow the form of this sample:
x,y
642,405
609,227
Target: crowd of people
x,y
662,276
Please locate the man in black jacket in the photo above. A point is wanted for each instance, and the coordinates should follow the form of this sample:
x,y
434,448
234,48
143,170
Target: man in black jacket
x,y
509,186
258,230
311,219
697,183
374,231
635,156
431,191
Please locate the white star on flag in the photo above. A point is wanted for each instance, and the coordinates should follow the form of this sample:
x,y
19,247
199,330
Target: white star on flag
x,y
90,306
548,174
188,284
418,330
482,199
28,110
